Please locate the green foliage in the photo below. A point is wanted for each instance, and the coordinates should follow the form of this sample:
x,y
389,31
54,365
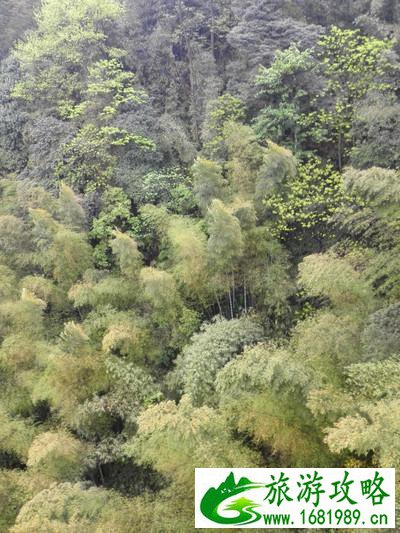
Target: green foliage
x,y
73,339
58,456
309,97
246,158
107,81
70,256
70,210
97,290
69,380
127,253
114,213
354,64
171,187
12,496
291,87
16,19
69,68
12,239
208,181
23,316
378,187
303,208
160,292
64,32
63,505
20,196
267,382
227,108
188,255
127,338
279,166
90,158
132,389
353,58
21,353
8,283
286,64
373,132
328,341
383,273
360,434
15,438
177,438
210,350
336,279
221,295
225,244
150,230
381,337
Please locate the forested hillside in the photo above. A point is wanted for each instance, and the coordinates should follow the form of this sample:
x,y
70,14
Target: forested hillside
x,y
199,250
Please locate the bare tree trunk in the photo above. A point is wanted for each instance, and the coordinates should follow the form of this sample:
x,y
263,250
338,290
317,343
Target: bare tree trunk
x,y
245,296
101,473
250,300
233,290
219,305
230,302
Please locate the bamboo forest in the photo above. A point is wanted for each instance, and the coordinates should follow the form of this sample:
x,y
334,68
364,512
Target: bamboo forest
x,y
199,250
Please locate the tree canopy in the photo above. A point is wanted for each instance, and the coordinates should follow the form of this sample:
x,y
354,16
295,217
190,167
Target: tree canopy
x,y
199,250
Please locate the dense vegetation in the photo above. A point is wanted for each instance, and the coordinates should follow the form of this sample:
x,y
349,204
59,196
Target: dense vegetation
x,y
199,250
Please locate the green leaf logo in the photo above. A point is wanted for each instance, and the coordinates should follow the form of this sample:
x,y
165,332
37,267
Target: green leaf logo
x,y
213,498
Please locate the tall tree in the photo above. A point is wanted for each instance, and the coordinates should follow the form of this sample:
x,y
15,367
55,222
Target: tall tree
x,y
71,70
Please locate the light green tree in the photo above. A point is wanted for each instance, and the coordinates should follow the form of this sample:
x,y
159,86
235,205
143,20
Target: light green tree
x,y
302,208
353,64
290,88
129,258
225,248
57,455
208,182
226,108
69,68
210,350
190,436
